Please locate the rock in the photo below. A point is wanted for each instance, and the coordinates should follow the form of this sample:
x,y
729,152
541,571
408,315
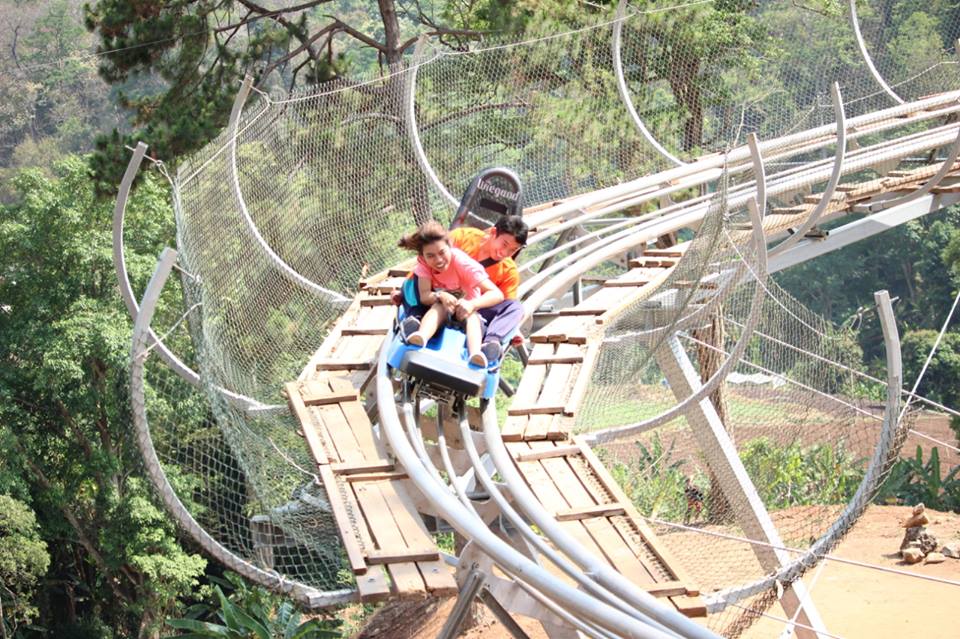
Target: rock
x,y
934,558
917,519
910,537
912,555
951,550
919,508
928,543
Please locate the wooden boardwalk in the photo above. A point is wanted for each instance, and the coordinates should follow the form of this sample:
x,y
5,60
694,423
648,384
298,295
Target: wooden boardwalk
x,y
387,545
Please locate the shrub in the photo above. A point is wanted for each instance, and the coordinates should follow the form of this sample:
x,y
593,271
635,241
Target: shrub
x,y
653,481
912,481
794,475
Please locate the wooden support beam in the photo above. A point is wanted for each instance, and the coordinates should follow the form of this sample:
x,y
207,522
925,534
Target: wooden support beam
x,y
344,365
384,476
589,512
380,557
372,466
546,453
339,511
318,394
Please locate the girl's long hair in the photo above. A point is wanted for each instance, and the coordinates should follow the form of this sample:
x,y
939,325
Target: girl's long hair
x,y
426,233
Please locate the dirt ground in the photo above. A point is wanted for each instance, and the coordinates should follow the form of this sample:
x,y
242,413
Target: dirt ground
x,y
854,602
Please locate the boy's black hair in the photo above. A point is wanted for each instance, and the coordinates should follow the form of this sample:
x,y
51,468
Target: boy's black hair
x,y
513,225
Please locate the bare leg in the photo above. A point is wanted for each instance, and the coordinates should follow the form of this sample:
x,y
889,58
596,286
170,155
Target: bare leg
x,y
473,340
429,324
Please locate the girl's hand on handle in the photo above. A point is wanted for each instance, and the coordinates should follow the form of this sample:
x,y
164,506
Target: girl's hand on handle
x,y
448,300
464,308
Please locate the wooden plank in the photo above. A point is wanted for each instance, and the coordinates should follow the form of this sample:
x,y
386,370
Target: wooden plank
x,y
373,586
789,210
565,328
544,353
437,575
372,466
344,365
387,536
623,555
634,277
387,476
386,286
379,557
607,540
546,453
644,532
677,250
553,499
587,512
597,303
316,393
319,448
513,428
330,341
584,374
529,387
538,427
358,422
551,400
647,262
339,511
666,589
341,435
366,330
633,297
375,300
690,605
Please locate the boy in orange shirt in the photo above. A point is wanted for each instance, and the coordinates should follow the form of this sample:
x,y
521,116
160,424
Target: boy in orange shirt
x,y
494,249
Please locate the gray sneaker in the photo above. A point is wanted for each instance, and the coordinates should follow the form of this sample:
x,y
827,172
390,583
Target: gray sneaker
x,y
492,351
408,327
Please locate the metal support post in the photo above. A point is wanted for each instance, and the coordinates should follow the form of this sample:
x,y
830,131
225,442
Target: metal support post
x,y
468,592
721,456
502,615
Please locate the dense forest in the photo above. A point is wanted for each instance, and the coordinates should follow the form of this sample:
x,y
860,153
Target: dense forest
x,y
85,549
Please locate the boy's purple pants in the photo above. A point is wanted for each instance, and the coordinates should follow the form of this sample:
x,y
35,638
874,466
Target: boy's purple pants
x,y
501,319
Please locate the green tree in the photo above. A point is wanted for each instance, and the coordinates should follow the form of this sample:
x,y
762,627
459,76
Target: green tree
x,y
23,561
51,101
64,407
197,51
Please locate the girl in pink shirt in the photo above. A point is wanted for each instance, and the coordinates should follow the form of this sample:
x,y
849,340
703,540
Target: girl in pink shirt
x,y
441,272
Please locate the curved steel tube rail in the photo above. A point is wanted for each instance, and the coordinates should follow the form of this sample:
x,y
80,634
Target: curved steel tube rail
x,y
414,434
126,292
855,25
672,181
410,117
271,255
609,579
624,92
883,457
831,187
303,594
120,266
807,140
759,242
499,551
574,266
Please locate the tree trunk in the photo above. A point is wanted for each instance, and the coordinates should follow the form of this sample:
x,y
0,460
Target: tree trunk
x,y
709,359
